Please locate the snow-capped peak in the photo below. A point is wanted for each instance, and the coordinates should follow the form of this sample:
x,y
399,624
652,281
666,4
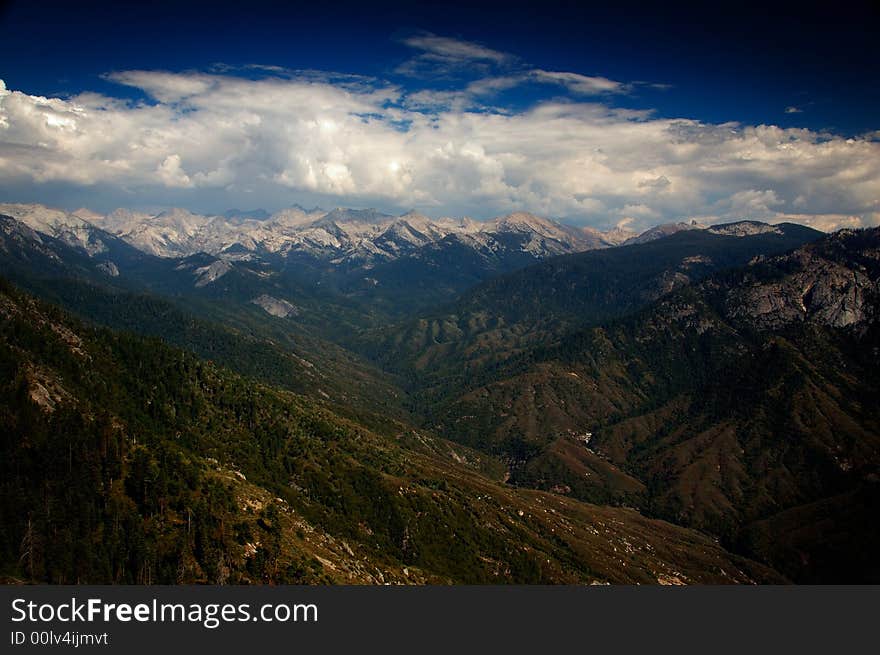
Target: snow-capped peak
x,y
180,219
64,226
41,218
523,221
88,215
356,237
343,215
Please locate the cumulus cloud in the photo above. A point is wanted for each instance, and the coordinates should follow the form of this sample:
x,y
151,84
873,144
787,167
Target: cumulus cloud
x,y
362,142
171,174
831,222
164,87
793,110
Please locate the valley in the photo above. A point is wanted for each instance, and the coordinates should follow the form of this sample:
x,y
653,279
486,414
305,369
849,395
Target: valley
x,y
346,396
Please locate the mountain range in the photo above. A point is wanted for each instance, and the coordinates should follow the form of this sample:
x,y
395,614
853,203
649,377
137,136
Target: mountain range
x,y
391,262
348,396
341,236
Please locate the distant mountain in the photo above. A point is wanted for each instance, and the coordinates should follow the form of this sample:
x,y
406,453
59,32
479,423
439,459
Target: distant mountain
x,y
406,264
171,233
737,229
239,215
343,215
748,228
365,236
613,237
398,264
63,244
346,242
660,231
68,228
118,221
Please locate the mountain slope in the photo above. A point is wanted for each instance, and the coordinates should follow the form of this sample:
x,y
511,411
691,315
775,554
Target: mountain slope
x,y
157,297
740,405
512,313
185,472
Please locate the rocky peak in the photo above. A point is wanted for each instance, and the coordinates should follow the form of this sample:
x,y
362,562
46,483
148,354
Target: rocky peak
x,y
822,283
744,228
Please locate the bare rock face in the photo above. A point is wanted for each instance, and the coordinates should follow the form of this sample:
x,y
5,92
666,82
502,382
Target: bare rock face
x,y
690,268
842,298
745,228
820,287
276,306
109,268
665,283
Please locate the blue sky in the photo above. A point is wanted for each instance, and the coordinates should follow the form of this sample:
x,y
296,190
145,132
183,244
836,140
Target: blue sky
x,y
593,115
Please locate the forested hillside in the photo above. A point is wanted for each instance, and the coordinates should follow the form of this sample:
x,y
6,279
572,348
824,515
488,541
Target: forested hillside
x,y
126,460
722,406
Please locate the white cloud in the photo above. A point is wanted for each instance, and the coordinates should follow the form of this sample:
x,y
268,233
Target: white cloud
x,y
496,71
361,142
580,84
171,173
490,85
441,56
448,48
164,87
831,222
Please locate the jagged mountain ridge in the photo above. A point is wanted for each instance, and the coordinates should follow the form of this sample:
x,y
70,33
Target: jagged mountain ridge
x,y
340,235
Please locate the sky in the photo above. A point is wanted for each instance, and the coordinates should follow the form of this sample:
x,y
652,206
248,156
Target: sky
x,y
595,116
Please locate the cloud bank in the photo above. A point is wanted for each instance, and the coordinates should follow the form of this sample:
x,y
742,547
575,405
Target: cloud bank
x,y
358,141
